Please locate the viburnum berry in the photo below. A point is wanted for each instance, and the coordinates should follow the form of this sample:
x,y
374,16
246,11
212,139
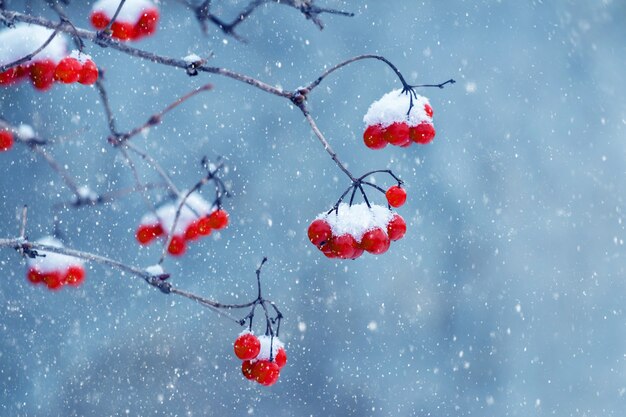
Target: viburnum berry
x,y
246,369
99,20
374,137
265,372
75,275
68,70
357,253
375,241
42,74
396,196
123,30
6,140
218,219
396,227
53,279
192,233
177,245
204,226
147,23
146,233
343,246
34,276
428,110
423,133
88,73
319,232
281,358
328,250
397,134
13,75
247,346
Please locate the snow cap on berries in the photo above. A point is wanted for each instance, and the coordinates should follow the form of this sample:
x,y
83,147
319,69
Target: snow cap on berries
x,y
392,107
80,56
52,261
23,39
195,206
131,11
276,344
357,219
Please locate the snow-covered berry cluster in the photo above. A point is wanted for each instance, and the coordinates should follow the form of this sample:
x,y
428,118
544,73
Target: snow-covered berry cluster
x,y
77,67
263,357
55,270
349,230
137,18
389,121
22,40
197,219
6,140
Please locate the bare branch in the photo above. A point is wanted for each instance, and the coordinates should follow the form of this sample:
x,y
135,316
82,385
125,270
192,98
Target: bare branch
x,y
32,54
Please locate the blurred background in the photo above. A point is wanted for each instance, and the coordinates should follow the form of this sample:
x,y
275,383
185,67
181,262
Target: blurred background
x,y
505,298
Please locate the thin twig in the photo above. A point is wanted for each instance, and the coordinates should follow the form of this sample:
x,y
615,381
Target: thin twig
x,y
32,54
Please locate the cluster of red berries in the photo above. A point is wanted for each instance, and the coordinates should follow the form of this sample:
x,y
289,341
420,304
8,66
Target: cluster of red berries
x,y
388,123
77,67
55,270
263,357
196,220
137,18
352,230
6,140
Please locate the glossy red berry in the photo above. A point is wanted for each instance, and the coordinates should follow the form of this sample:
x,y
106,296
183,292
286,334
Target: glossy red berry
x,y
343,246
397,133
204,226
146,233
99,20
265,372
177,246
147,23
68,70
281,358
396,228
247,346
88,73
42,74
423,133
6,140
357,253
428,110
13,75
218,219
53,279
375,241
75,275
192,233
328,250
396,196
374,137
34,276
319,232
246,369
122,30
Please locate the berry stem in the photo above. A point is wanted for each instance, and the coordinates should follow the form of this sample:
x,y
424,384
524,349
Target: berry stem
x,y
107,29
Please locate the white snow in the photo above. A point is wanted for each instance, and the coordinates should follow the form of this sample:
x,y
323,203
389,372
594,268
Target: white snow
x,y
155,270
194,208
24,39
357,219
87,193
192,59
25,132
131,10
80,56
392,107
52,261
276,344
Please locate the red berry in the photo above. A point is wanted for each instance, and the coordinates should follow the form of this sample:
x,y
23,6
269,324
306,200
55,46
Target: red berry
x,y
177,246
396,227
99,20
204,226
88,73
246,369
319,232
42,74
396,196
192,233
397,133
75,275
6,140
13,75
375,241
328,250
343,246
147,23
146,233
218,219
53,279
265,372
247,346
122,30
428,110
374,137
34,276
357,253
281,358
423,133
68,70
